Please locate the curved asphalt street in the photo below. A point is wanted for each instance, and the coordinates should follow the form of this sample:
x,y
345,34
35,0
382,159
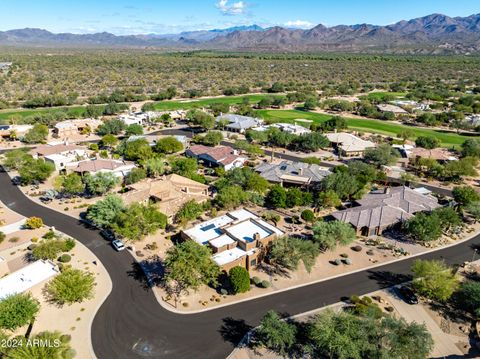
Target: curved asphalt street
x,y
131,324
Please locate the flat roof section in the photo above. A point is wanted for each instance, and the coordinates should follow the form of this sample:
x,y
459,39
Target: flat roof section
x,y
244,231
27,277
221,241
206,231
228,256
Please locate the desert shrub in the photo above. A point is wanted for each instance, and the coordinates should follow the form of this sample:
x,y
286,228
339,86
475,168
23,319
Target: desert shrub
x,y
68,244
34,223
65,258
49,235
265,284
256,281
308,215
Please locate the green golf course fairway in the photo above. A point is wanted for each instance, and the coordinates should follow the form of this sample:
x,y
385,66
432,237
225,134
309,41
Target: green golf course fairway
x,y
189,104
448,139
6,115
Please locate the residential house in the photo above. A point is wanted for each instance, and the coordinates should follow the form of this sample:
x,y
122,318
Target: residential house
x,y
292,128
7,131
473,120
285,127
27,277
238,238
292,173
169,193
5,66
237,123
219,156
438,154
414,105
71,128
397,110
383,209
60,154
134,118
99,165
348,144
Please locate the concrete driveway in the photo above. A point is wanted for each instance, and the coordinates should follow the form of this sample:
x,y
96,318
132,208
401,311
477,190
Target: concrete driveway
x,y
444,343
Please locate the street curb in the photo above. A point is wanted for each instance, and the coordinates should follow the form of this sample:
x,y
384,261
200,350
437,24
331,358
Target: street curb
x,y
318,280
92,352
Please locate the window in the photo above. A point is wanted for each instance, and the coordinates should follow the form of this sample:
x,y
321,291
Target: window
x,y
253,262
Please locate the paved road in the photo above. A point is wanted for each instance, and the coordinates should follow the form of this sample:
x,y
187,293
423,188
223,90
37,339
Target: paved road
x,y
131,324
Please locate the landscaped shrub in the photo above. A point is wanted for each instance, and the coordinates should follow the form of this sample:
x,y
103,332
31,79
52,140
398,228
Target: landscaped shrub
x,y
65,258
240,279
257,281
338,262
308,215
49,235
71,286
265,284
2,236
223,291
68,244
365,307
33,223
344,255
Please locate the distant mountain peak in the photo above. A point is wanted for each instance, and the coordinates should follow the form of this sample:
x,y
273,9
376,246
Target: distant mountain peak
x,y
428,34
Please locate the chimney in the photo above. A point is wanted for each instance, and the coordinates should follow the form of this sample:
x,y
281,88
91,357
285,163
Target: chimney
x,y
256,236
301,171
387,190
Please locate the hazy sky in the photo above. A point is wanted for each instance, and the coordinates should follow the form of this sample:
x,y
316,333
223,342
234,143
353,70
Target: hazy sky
x,y
163,16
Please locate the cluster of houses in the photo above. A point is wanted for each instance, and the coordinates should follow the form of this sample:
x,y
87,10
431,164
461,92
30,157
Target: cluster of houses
x,y
143,118
239,238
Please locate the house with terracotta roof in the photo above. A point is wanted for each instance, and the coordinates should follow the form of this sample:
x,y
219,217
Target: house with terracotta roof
x,y
99,165
219,156
238,238
382,209
169,193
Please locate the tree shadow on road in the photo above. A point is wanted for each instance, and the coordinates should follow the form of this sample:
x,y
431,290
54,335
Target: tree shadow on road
x,y
233,330
387,279
138,274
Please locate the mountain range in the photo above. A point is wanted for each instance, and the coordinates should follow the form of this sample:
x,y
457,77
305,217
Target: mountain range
x,y
432,34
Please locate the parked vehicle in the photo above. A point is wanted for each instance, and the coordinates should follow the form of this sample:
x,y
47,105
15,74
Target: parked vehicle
x,y
118,245
408,295
107,234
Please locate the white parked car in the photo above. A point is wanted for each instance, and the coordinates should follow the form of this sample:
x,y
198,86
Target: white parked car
x,y
118,245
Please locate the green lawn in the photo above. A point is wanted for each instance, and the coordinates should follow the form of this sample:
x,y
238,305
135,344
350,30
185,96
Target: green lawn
x,y
5,115
189,104
448,139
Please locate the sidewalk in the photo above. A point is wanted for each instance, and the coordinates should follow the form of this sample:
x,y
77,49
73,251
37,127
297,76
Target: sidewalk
x,y
13,227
